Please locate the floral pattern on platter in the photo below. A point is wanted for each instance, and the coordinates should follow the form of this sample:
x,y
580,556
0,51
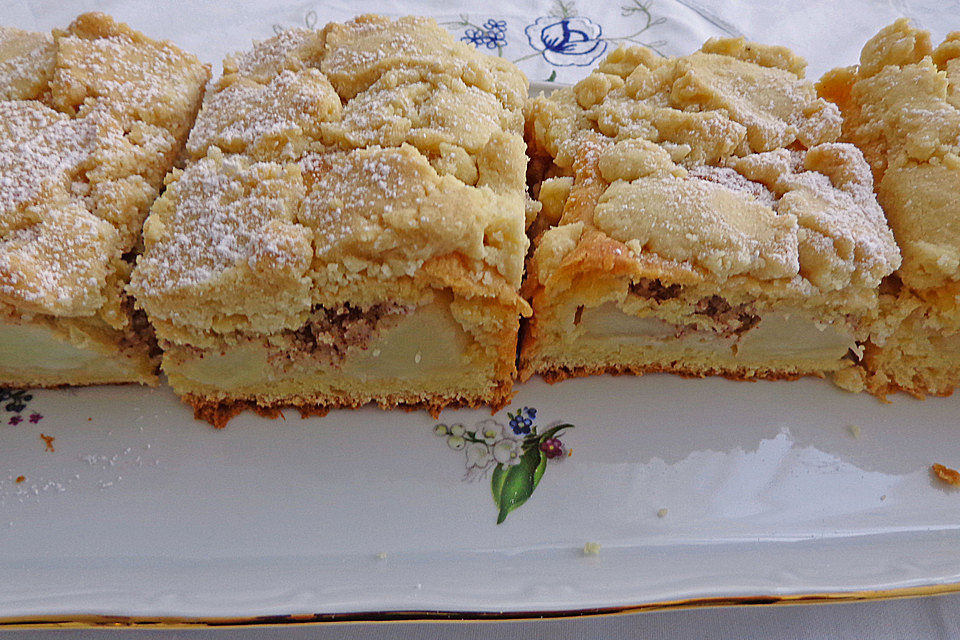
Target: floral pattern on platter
x,y
15,401
517,454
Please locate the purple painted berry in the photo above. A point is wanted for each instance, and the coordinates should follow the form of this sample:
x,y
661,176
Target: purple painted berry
x,y
552,447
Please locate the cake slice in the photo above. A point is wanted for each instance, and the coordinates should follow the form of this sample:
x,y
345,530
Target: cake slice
x,y
699,218
91,119
349,227
901,106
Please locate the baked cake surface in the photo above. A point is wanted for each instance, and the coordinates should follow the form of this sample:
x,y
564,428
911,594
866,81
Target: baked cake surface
x,y
699,217
901,105
349,227
91,118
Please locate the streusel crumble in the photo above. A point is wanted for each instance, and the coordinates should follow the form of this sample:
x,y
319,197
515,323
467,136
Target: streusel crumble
x,y
91,119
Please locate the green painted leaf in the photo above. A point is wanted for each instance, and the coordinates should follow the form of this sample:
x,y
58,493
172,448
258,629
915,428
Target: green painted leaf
x,y
518,482
538,472
549,433
553,76
496,483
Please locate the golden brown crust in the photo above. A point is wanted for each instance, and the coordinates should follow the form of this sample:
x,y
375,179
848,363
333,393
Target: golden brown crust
x,y
556,374
219,414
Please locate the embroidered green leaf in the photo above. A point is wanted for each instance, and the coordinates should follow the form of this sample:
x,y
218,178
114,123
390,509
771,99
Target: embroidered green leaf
x,y
512,486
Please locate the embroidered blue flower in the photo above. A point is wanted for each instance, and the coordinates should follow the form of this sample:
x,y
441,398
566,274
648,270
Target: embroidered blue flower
x,y
491,35
566,42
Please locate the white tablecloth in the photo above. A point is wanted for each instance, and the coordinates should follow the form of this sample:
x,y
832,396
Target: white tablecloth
x,y
560,40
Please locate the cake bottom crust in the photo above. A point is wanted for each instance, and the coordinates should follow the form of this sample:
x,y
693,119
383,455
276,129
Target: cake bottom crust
x,y
558,373
219,413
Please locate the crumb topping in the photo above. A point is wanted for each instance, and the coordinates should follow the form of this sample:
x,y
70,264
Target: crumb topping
x,y
271,121
26,63
901,107
41,152
724,161
105,64
84,145
358,52
292,49
223,230
388,145
731,98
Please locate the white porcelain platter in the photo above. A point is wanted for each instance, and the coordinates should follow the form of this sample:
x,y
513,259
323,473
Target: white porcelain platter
x,y
694,490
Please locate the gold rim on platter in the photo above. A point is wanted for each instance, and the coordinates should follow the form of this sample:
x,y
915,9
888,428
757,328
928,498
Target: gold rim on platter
x,y
115,621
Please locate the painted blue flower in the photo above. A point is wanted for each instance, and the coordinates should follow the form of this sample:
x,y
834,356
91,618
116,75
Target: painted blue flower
x,y
574,41
491,35
531,412
520,425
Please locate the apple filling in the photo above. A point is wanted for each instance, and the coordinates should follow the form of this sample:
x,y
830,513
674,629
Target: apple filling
x,y
386,348
32,353
772,337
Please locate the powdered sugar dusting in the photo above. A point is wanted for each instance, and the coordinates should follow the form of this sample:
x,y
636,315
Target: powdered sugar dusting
x,y
271,121
25,73
75,183
732,180
40,151
223,205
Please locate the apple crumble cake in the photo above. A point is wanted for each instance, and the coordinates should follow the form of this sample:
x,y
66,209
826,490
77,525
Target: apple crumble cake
x,y
699,217
91,119
349,227
901,106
